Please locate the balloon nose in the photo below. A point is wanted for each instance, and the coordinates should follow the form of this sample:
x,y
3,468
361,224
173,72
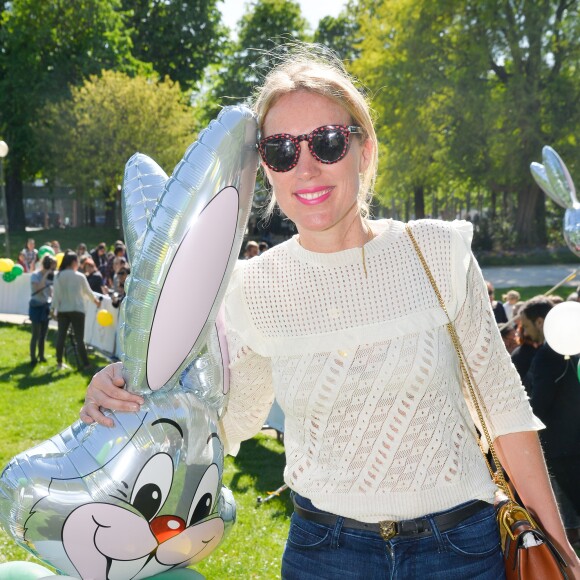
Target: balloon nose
x,y
165,527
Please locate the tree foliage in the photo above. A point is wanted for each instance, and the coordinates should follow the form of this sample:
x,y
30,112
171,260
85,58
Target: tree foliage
x,y
178,37
45,46
340,34
265,25
467,92
107,119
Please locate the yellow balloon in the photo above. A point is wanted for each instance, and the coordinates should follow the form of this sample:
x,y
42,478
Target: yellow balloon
x,y
104,317
59,258
6,265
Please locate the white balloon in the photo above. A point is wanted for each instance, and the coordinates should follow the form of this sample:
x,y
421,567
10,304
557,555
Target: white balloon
x,y
562,328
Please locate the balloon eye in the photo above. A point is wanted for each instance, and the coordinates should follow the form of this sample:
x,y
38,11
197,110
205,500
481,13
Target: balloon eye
x,y
204,498
153,485
202,509
148,500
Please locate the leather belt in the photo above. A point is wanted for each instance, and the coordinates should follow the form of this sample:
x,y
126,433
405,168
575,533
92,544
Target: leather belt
x,y
388,529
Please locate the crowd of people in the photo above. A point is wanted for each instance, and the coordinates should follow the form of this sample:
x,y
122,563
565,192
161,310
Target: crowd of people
x,y
552,384
81,275
90,274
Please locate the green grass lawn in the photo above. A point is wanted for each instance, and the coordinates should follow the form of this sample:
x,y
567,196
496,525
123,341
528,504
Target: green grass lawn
x,y
35,404
531,291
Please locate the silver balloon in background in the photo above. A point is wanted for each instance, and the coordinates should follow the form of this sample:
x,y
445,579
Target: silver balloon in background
x,y
555,180
146,496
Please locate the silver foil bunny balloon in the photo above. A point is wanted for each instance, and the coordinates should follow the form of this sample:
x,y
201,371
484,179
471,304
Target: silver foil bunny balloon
x,y
554,178
146,496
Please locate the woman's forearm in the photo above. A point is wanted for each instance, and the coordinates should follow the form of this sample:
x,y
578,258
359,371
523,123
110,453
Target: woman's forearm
x,y
522,457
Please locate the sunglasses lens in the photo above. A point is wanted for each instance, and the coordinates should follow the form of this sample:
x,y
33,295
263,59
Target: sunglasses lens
x,y
279,154
329,145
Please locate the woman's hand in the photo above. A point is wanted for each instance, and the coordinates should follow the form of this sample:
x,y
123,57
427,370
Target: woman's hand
x,y
106,390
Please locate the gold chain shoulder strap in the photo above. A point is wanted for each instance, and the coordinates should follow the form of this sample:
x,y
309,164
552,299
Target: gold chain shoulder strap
x,y
498,475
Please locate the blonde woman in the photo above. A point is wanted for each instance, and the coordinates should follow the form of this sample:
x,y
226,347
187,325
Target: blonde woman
x,y
341,324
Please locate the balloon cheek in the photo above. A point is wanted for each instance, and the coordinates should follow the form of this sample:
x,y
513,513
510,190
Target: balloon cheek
x,y
94,532
194,544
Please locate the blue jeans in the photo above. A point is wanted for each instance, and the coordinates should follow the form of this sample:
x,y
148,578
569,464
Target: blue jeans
x,y
471,550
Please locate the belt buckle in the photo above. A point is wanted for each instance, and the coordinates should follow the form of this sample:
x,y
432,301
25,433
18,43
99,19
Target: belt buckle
x,y
387,529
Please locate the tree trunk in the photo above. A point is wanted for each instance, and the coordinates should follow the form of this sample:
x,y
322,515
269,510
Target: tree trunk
x,y
14,199
110,210
530,220
419,198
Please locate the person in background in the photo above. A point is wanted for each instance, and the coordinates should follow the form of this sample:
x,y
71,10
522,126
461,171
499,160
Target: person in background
x,y
510,299
22,260
55,245
29,255
99,256
554,388
252,250
496,305
524,354
119,295
94,277
82,253
121,243
120,279
263,246
555,299
41,283
70,290
118,262
115,261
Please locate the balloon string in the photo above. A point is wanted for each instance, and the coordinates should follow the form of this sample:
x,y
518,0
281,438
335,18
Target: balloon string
x,y
568,278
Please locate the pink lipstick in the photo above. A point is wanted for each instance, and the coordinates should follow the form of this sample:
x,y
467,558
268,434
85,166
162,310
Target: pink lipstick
x,y
313,195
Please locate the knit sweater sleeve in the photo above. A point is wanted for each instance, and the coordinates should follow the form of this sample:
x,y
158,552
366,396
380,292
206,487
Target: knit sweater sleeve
x,y
251,393
506,406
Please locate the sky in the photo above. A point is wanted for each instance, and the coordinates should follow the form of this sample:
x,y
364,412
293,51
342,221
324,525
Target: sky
x,y
312,10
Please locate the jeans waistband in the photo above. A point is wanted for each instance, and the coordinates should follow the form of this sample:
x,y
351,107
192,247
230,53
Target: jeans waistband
x,y
388,529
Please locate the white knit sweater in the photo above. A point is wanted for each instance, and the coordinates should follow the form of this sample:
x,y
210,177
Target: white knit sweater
x,y
363,367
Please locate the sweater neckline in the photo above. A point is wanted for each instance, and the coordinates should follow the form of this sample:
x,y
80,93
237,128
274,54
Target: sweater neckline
x,y
385,231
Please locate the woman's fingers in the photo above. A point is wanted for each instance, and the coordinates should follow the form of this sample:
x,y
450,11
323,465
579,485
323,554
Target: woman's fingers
x,y
105,391
91,413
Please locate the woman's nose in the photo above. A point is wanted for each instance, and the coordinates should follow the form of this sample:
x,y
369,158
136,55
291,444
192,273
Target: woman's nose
x,y
307,165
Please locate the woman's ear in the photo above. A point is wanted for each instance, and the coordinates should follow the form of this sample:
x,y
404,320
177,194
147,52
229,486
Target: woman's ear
x,y
367,150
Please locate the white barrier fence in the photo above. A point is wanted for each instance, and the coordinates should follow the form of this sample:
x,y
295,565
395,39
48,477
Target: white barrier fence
x,y
14,298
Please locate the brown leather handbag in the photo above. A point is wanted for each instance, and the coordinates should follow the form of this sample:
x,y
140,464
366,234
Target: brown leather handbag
x,y
528,553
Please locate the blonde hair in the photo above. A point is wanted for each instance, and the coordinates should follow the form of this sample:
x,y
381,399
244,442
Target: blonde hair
x,y
511,295
316,69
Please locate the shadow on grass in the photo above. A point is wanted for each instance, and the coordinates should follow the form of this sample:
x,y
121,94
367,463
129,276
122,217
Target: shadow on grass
x,y
266,466
21,375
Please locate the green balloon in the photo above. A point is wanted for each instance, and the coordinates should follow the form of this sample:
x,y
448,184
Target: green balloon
x,y
43,250
8,276
17,270
24,571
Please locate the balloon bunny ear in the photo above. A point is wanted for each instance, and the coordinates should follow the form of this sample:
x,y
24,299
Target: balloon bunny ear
x,y
184,256
554,178
143,185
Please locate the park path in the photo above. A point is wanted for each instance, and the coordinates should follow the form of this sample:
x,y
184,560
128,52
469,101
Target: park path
x,y
507,276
